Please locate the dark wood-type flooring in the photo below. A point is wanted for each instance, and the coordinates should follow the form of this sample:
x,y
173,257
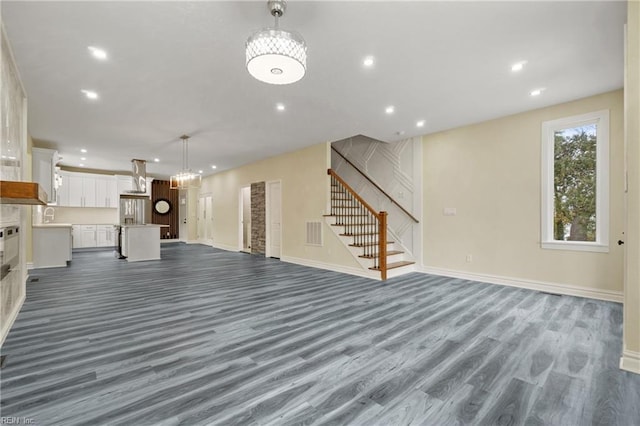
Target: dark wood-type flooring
x,y
206,336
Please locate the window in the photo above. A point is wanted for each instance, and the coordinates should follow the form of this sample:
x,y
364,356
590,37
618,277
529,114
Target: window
x,y
575,183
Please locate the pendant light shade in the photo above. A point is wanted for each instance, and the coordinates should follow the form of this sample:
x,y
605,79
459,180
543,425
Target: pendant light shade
x,y
276,56
185,179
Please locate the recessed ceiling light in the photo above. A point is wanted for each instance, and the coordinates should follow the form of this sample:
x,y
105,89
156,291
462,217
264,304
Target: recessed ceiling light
x,y
90,94
81,165
420,123
83,150
83,158
98,53
214,167
518,66
368,61
156,160
390,109
280,107
536,92
200,171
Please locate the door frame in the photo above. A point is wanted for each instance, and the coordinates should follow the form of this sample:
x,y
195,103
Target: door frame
x,y
241,217
267,219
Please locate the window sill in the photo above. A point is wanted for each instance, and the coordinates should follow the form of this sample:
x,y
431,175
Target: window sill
x,y
575,246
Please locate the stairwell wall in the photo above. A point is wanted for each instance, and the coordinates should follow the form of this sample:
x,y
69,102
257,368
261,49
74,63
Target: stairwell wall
x,y
397,169
305,197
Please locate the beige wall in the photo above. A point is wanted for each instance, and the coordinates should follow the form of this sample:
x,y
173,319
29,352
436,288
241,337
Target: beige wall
x,y
305,186
86,215
631,355
491,173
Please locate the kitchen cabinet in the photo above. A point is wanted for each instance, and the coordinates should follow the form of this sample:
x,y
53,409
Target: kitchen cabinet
x,y
88,190
44,171
89,236
51,245
124,184
81,190
105,236
106,191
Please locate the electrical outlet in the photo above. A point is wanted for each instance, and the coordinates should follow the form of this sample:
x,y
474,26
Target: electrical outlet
x,y
469,258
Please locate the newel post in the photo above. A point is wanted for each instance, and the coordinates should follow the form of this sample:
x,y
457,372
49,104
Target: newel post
x,y
382,244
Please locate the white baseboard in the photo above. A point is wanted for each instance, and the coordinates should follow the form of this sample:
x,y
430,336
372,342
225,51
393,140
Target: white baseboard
x,y
29,265
6,326
225,247
565,289
630,361
169,240
329,266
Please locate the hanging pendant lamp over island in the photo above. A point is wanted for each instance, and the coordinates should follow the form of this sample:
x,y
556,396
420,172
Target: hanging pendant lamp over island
x,y
185,179
276,56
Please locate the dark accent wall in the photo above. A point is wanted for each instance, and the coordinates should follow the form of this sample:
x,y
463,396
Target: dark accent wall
x,y
258,213
159,190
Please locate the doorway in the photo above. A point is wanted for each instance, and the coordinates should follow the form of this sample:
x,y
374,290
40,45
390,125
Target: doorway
x,y
205,219
245,219
274,219
183,230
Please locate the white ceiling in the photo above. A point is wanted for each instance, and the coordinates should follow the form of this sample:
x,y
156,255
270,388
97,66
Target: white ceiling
x,y
179,67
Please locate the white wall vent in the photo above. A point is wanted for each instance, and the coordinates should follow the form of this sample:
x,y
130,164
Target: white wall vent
x,y
314,234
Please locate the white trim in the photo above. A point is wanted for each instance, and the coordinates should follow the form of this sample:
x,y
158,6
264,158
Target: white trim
x,y
267,217
601,118
576,246
241,217
29,266
328,266
11,319
418,193
224,247
630,361
556,288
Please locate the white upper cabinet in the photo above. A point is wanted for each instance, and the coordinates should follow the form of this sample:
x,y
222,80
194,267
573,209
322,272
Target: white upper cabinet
x,y
106,192
124,183
44,170
88,190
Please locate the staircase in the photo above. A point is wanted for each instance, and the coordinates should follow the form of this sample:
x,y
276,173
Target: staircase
x,y
364,231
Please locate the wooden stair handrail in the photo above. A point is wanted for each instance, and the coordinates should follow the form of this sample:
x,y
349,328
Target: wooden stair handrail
x,y
354,193
375,184
381,217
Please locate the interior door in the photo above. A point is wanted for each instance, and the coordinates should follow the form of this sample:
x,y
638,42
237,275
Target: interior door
x,y
209,217
183,230
275,219
246,218
201,218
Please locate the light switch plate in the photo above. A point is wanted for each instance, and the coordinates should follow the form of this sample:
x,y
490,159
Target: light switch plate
x,y
449,211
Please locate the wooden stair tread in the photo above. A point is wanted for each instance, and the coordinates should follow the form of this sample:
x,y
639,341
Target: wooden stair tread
x,y
358,234
368,244
346,224
373,256
351,215
394,265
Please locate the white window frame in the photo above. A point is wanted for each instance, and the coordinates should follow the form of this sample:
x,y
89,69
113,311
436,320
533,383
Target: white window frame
x,y
601,119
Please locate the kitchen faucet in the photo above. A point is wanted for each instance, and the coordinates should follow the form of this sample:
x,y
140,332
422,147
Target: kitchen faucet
x,y
48,214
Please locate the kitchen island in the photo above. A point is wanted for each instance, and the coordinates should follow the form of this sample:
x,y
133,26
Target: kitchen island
x,y
141,242
51,245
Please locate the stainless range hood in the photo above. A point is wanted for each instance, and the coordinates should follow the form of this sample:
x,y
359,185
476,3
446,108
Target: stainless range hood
x,y
139,176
